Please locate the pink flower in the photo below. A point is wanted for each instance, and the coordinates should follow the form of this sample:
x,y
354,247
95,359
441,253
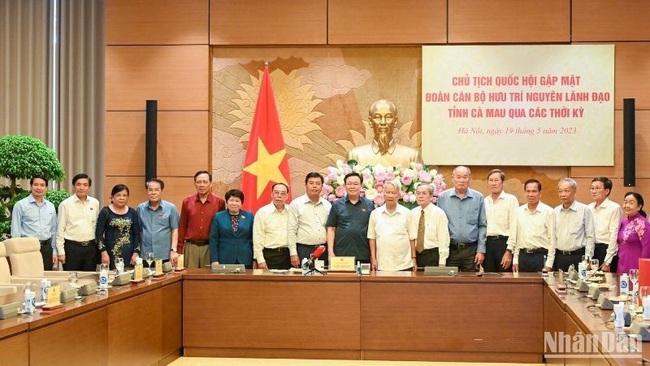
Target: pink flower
x,y
380,176
390,176
379,200
379,187
327,189
331,198
406,180
340,191
367,177
424,177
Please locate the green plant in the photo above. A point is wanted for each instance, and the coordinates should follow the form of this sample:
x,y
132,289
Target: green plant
x,y
22,157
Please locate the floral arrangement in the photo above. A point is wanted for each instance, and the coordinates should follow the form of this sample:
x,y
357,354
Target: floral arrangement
x,y
375,177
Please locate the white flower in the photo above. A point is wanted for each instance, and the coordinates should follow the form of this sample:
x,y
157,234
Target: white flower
x,y
371,193
409,173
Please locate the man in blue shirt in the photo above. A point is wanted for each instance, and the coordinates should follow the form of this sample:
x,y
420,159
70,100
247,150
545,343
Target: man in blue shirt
x,y
159,221
347,223
34,216
467,223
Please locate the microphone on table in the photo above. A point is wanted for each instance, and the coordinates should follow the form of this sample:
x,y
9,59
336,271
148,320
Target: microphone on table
x,y
317,253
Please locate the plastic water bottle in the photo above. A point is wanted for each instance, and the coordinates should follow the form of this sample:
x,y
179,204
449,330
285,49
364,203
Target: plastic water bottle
x,y
625,285
45,284
582,270
29,306
359,273
619,315
103,277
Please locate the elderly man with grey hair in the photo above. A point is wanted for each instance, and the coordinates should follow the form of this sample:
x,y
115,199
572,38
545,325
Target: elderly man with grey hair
x,y
391,238
432,228
574,227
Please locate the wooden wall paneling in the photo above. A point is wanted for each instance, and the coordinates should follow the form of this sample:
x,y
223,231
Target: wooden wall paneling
x,y
177,76
149,22
80,340
387,22
509,21
642,150
607,20
134,330
183,143
611,172
632,74
247,22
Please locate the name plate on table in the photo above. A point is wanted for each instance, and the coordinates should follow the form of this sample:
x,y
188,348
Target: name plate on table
x,y
53,296
158,267
180,262
137,273
342,264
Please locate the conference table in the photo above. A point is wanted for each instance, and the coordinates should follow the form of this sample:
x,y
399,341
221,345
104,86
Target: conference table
x,y
381,316
137,324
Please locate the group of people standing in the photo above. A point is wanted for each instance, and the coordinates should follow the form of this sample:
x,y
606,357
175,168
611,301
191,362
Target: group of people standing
x,y
458,228
500,235
82,235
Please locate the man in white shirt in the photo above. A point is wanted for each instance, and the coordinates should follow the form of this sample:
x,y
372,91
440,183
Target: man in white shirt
x,y
501,214
432,242
607,217
574,228
391,238
35,216
307,218
271,246
534,238
75,236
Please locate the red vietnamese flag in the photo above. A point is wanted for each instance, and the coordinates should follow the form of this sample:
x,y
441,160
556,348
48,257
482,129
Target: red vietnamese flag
x,y
266,160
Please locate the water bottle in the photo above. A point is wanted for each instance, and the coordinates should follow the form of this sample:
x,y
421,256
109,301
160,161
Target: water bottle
x,y
29,304
582,270
359,273
103,277
45,284
619,315
625,285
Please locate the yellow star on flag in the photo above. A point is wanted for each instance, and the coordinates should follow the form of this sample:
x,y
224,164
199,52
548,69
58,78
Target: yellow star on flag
x,y
267,167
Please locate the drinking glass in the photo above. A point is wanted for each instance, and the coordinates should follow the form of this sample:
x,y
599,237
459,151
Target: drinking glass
x,y
594,265
119,266
149,259
72,277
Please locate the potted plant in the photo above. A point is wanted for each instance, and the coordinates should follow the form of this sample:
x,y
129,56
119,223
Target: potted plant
x,y
22,157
